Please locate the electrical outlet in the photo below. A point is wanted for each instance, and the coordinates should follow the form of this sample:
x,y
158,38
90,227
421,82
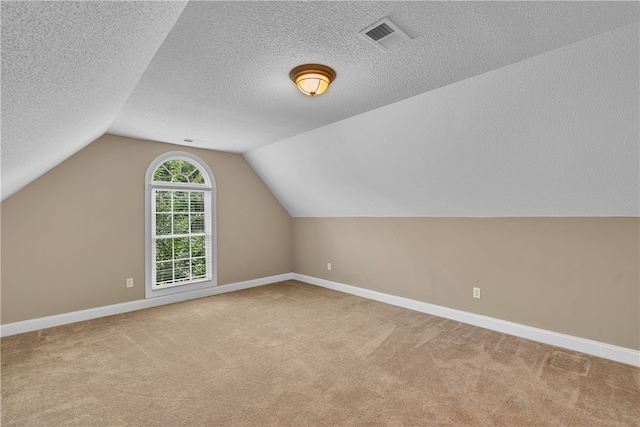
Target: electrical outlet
x,y
328,266
476,293
130,282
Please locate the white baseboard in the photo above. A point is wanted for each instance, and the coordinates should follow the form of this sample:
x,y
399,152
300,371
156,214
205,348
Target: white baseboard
x,y
595,348
110,310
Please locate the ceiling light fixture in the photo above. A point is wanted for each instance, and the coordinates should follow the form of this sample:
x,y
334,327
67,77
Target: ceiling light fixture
x,y
312,79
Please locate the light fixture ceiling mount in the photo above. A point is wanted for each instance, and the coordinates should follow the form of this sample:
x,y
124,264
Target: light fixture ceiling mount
x,y
312,79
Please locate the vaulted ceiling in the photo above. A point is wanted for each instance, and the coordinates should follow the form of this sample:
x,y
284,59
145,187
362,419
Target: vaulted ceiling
x,y
217,72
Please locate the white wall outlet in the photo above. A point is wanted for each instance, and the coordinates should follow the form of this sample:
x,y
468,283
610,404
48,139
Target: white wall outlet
x,y
130,282
328,266
476,293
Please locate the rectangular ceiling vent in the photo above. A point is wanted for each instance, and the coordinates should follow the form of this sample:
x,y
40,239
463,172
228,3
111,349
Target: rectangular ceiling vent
x,y
384,34
382,30
192,141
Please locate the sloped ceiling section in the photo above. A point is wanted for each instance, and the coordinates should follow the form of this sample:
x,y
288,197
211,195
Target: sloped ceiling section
x,y
553,135
222,76
217,71
67,69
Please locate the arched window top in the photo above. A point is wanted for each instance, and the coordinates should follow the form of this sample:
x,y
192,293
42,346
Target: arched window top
x,y
179,168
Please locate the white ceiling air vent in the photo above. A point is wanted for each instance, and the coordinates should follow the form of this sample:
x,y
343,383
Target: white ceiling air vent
x,y
192,141
384,34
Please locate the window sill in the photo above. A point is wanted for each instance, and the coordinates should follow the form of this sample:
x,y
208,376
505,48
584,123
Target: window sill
x,y
176,289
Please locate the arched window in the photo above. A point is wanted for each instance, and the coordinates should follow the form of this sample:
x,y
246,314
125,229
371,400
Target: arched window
x,y
180,225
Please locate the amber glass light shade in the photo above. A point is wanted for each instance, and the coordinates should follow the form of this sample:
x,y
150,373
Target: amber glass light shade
x,y
312,79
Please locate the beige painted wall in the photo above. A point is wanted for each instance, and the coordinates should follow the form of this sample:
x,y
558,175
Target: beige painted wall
x,y
72,237
578,276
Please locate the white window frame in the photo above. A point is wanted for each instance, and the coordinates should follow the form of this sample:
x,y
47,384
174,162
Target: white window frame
x,y
150,185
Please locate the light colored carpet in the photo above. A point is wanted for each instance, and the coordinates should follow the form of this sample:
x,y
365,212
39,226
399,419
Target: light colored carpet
x,y
299,355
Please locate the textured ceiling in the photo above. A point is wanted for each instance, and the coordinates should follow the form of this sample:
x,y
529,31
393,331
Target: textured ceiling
x,y
218,71
553,135
67,69
222,74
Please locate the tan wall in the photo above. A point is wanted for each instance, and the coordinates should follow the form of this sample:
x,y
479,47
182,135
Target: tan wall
x,y
72,237
578,276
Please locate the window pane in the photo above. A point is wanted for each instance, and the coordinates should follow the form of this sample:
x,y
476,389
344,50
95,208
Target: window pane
x,y
196,177
162,174
198,268
182,270
181,201
163,201
179,178
164,272
173,166
163,224
197,223
181,248
164,249
197,201
187,168
181,210
180,223
198,246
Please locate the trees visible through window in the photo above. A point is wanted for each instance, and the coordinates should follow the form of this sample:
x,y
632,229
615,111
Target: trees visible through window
x,y
181,226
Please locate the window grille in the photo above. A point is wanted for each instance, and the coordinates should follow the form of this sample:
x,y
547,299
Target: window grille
x,y
180,223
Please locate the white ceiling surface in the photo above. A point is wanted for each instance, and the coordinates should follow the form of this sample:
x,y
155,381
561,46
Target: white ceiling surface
x,y
553,135
67,69
218,72
221,75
